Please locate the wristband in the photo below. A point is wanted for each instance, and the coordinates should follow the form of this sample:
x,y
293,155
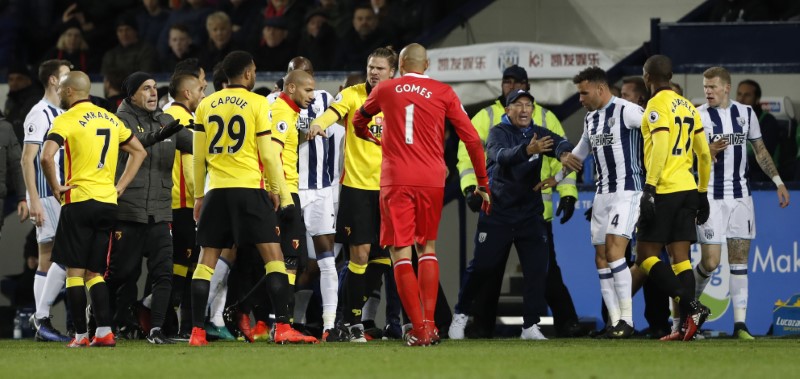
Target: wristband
x,y
777,180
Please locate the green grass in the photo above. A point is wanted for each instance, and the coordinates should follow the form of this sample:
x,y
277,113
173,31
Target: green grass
x,y
763,358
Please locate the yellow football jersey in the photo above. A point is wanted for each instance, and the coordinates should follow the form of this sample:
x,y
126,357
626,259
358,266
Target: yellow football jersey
x,y
671,113
182,196
91,137
284,115
231,120
362,159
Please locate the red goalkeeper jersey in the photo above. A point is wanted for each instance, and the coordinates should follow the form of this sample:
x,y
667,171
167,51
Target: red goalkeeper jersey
x,y
415,108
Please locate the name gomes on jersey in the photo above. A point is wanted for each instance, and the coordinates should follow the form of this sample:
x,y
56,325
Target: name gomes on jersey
x,y
93,115
600,140
731,138
413,88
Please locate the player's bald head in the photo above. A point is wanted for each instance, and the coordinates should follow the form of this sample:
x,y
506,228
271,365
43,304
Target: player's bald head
x,y
297,77
77,81
659,68
413,58
301,63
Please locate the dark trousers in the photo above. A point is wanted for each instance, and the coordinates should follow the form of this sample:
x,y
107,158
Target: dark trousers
x,y
131,242
492,246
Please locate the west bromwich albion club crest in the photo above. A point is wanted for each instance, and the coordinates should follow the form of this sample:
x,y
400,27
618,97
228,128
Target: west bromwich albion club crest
x,y
507,58
611,122
742,121
482,237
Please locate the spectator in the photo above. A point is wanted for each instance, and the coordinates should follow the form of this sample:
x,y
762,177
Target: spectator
x,y
245,18
131,54
275,50
193,14
180,47
676,87
112,89
23,94
337,15
291,11
72,46
361,40
404,19
318,41
220,42
152,19
780,141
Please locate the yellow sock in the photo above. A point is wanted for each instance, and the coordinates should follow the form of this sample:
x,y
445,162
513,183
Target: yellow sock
x,y
649,263
203,272
75,281
93,281
275,266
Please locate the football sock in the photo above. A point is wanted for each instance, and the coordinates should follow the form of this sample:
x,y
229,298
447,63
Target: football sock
x,y
101,307
56,276
683,271
408,289
201,283
665,279
738,288
328,286
279,290
179,273
428,284
218,292
76,296
623,284
355,283
102,331
38,287
701,277
301,300
609,295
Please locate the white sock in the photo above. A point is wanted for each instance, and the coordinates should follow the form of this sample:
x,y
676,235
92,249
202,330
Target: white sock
x,y
80,336
623,286
56,279
370,308
301,300
102,331
738,288
609,295
701,279
38,287
329,287
218,292
676,315
148,301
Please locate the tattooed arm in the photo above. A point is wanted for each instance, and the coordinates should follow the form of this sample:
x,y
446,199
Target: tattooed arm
x,y
765,162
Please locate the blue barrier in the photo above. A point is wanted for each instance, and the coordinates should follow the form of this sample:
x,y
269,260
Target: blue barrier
x,y
774,265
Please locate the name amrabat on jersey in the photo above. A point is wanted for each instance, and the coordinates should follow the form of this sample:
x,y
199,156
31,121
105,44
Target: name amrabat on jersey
x,y
235,100
93,115
682,102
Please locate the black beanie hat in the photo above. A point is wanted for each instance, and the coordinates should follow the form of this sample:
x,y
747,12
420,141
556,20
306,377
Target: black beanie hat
x,y
134,81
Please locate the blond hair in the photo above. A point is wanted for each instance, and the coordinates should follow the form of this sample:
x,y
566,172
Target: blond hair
x,y
718,72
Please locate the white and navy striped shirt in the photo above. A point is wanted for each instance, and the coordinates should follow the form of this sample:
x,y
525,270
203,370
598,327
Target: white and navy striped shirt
x,y
737,124
319,160
37,124
614,135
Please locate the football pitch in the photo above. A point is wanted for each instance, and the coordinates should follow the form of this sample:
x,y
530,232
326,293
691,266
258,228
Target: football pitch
x,y
577,358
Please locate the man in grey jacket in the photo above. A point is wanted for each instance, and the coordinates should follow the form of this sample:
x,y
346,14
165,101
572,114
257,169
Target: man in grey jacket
x,y
145,212
10,169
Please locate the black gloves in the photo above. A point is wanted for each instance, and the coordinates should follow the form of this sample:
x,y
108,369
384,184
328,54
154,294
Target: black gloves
x,y
566,205
647,206
286,215
588,214
703,209
474,201
168,130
